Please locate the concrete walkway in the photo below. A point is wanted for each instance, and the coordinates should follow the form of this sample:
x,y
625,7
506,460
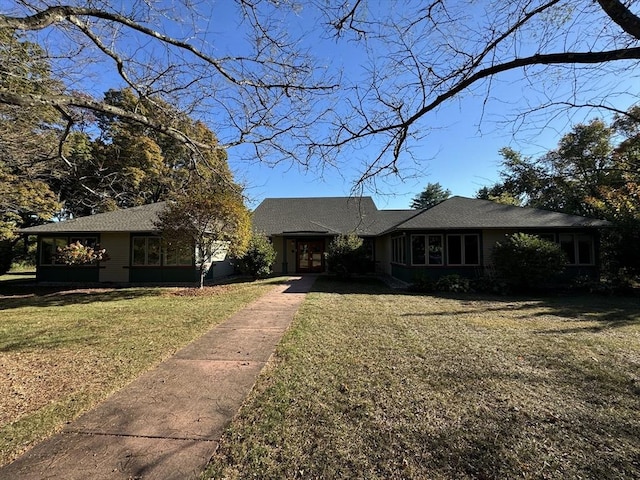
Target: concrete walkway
x,y
166,424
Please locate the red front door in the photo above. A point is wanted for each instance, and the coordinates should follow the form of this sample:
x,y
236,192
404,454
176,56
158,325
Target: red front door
x,y
310,257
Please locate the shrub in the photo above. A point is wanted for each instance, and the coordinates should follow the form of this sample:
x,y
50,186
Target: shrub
x,y
78,254
490,283
346,255
527,261
453,283
422,284
259,257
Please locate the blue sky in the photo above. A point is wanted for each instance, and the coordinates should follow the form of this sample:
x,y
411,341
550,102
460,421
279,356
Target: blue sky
x,y
460,148
460,142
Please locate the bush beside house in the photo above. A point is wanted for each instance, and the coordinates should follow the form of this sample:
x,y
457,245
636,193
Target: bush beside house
x,y
526,262
259,257
346,255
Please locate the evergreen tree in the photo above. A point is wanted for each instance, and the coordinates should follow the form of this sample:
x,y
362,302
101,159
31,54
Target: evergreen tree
x,y
432,194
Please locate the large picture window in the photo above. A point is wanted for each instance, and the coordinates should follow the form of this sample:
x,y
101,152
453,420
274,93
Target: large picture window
x,y
398,250
579,249
178,256
146,251
49,248
426,250
463,249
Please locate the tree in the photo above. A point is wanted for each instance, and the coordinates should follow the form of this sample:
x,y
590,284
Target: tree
x,y
263,93
269,92
129,164
430,196
78,254
209,216
27,143
595,172
496,194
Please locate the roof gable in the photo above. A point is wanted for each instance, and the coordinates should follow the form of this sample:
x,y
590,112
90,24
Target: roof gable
x,y
134,219
323,216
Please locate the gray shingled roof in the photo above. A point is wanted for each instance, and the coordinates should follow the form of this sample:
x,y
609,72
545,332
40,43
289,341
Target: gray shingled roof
x,y
306,216
461,212
333,215
324,215
135,219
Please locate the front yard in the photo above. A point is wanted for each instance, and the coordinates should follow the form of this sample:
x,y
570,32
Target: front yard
x,y
368,382
376,384
63,350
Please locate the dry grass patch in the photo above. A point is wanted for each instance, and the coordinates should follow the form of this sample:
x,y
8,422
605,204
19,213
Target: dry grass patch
x,y
64,350
374,384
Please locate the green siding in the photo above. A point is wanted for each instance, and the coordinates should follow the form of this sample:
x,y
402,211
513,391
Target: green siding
x,y
67,274
411,274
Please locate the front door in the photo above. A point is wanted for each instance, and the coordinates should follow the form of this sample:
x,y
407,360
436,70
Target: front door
x,y
310,256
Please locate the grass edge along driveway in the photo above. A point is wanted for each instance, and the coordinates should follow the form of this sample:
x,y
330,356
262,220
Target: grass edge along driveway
x,y
374,384
64,350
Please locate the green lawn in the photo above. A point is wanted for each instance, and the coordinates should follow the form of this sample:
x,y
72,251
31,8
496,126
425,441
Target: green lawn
x,y
375,384
63,350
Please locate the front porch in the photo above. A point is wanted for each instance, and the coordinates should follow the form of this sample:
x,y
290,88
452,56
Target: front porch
x,y
301,253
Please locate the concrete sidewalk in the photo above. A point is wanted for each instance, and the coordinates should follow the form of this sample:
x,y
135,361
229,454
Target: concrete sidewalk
x,y
166,424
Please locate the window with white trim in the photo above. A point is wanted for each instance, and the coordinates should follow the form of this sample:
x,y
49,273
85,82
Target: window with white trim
x,y
463,249
426,250
178,256
145,251
49,249
398,250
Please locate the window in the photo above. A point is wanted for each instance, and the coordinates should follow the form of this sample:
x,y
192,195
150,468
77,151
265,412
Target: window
x,y
398,250
146,251
86,241
578,249
549,237
463,249
418,249
48,249
176,256
368,248
426,250
435,250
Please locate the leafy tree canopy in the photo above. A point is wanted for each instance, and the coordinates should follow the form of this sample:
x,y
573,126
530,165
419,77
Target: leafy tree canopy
x,y
27,137
594,172
210,215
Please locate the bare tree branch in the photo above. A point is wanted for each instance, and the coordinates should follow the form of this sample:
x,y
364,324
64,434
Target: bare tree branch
x,y
620,14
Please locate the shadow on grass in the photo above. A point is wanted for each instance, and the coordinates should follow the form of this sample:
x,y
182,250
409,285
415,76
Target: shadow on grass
x,y
353,285
607,311
45,338
20,296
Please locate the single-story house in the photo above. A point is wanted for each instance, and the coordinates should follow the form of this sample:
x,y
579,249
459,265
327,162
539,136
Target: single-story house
x,y
134,247
454,237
